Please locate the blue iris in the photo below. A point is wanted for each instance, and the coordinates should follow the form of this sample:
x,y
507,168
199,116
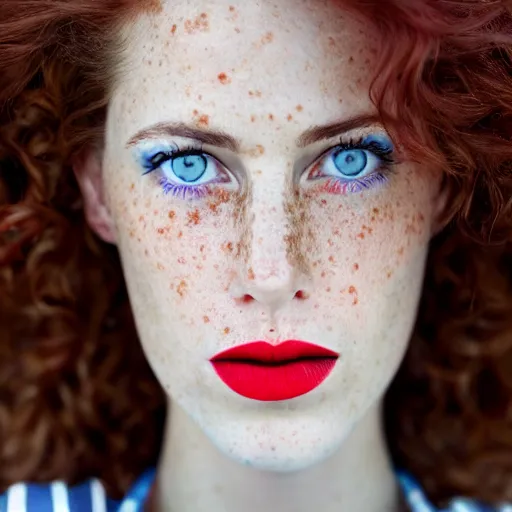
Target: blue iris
x,y
189,168
351,162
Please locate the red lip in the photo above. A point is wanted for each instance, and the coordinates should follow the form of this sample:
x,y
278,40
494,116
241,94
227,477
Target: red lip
x,y
261,371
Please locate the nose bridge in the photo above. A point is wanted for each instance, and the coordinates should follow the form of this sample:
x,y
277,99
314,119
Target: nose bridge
x,y
268,242
271,278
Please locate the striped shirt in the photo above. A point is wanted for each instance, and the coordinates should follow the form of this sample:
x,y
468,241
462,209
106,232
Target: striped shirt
x,y
91,497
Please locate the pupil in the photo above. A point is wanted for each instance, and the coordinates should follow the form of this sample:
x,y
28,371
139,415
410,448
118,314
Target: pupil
x,y
351,163
189,168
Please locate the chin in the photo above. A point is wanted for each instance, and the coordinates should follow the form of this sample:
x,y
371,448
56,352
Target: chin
x,y
282,447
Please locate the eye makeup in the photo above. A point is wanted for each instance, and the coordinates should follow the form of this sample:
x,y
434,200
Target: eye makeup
x,y
190,172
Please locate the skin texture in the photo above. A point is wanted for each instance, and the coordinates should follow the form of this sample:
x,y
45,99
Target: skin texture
x,y
268,254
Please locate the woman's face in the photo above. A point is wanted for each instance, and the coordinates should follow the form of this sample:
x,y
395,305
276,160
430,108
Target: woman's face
x,y
255,197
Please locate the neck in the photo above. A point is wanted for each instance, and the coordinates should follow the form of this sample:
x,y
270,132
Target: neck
x,y
195,477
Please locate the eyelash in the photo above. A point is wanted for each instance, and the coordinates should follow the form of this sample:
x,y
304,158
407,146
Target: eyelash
x,y
333,185
380,176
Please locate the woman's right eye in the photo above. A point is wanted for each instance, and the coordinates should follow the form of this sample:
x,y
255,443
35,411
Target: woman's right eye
x,y
185,167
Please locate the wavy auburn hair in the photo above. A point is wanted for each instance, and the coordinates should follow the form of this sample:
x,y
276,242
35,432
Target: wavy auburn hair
x,y
77,398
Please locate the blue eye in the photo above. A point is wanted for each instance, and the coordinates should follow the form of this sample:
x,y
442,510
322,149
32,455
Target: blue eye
x,y
185,172
350,162
189,168
355,165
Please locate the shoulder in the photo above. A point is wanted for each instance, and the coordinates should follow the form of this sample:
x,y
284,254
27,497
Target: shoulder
x,y
89,496
418,501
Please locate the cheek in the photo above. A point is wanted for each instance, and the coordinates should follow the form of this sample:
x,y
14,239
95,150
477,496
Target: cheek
x,y
371,241
174,251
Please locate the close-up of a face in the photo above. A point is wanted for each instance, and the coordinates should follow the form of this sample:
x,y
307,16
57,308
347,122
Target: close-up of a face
x,y
255,196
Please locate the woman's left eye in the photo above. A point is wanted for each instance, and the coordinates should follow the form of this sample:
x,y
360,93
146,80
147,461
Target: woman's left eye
x,y
357,165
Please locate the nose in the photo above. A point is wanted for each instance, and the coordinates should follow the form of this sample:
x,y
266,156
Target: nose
x,y
270,276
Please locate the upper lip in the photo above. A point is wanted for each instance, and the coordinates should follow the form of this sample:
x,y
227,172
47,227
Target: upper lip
x,y
262,351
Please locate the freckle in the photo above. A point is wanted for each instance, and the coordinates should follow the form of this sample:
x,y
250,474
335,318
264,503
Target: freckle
x,y
401,251
199,24
328,290
195,112
160,266
141,218
231,8
353,291
223,78
173,29
271,117
253,119
227,330
206,319
289,117
361,236
204,120
351,59
146,252
267,38
172,214
227,247
251,275
182,288
389,274
180,234
194,218
161,231
256,152
331,259
299,108
257,94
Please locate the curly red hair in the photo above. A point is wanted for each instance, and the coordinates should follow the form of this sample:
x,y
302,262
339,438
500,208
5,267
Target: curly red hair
x,y
68,347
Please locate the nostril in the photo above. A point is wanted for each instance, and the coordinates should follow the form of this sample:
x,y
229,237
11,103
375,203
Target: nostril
x,y
245,299
301,294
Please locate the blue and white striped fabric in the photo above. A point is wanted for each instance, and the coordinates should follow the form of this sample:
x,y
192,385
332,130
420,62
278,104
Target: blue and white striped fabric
x,y
418,502
87,497
91,497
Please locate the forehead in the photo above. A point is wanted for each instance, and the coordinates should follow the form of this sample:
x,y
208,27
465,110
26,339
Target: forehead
x,y
238,57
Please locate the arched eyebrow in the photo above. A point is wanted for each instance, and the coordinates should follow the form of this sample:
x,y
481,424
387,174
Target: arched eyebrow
x,y
223,140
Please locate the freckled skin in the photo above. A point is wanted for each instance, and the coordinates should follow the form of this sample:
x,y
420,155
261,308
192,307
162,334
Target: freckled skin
x,y
270,254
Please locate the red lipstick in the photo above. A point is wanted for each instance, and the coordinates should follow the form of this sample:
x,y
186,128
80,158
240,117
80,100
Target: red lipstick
x,y
261,371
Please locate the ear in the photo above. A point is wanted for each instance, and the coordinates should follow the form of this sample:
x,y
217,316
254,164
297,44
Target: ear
x,y
442,214
87,167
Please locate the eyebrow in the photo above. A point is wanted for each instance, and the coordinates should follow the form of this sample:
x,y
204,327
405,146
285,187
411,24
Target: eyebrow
x,y
223,140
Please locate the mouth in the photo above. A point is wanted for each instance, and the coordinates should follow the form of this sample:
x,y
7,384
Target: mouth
x,y
269,373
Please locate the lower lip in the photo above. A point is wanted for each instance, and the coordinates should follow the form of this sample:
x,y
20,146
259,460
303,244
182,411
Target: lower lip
x,y
270,383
